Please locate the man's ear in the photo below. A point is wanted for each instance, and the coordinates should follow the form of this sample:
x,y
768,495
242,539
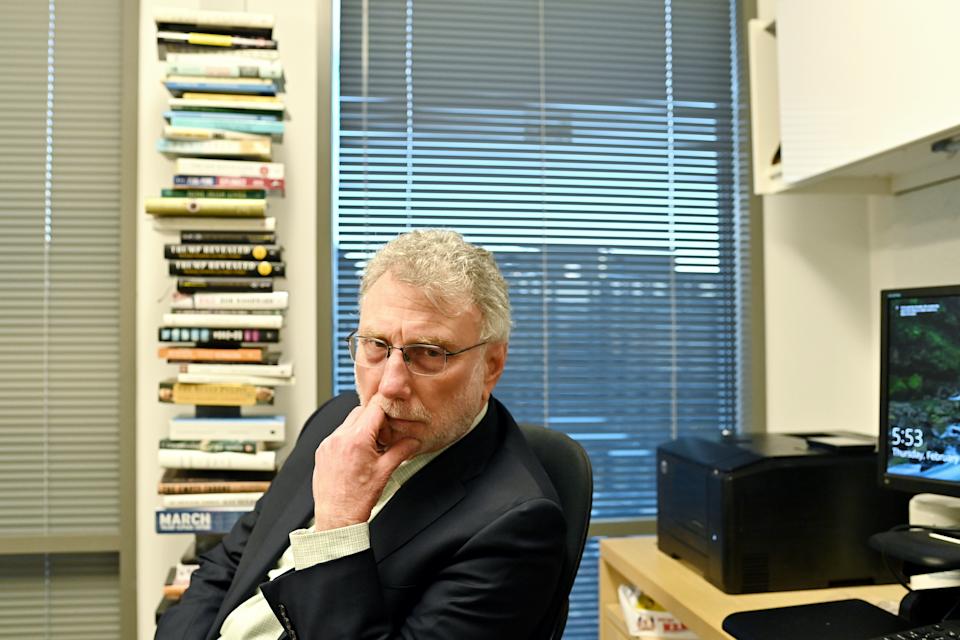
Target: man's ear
x,y
494,360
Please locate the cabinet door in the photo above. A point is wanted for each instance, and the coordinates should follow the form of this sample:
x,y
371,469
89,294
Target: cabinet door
x,y
861,77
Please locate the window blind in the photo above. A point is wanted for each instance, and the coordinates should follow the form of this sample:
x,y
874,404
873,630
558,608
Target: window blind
x,y
59,347
59,596
595,148
59,220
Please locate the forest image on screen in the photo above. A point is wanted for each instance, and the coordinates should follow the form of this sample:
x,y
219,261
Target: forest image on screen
x,y
923,392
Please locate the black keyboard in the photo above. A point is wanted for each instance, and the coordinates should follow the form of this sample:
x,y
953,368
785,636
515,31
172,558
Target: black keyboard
x,y
949,630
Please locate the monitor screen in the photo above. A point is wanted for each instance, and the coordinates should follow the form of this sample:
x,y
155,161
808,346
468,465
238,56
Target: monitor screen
x,y
920,389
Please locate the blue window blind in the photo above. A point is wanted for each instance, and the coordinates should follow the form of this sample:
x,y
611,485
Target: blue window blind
x,y
595,148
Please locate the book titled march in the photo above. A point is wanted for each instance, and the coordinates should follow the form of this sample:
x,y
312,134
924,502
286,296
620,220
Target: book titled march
x,y
206,520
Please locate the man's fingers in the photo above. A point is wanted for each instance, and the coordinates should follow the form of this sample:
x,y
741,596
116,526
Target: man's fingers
x,y
401,450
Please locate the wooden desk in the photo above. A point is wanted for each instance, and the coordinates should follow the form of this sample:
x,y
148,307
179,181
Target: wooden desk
x,y
687,595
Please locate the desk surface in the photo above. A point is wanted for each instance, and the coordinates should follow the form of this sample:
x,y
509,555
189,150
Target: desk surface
x,y
697,603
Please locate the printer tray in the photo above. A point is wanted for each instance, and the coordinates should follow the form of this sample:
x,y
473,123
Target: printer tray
x,y
837,620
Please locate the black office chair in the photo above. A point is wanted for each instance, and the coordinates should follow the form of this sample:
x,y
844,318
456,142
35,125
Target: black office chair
x,y
569,469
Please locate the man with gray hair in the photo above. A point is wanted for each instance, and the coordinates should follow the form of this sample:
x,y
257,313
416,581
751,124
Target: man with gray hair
x,y
411,509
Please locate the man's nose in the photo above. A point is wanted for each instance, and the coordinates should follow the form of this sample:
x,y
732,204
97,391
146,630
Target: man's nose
x,y
395,381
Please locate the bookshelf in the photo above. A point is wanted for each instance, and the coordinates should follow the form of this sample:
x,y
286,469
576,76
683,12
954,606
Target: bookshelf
x,y
859,112
297,226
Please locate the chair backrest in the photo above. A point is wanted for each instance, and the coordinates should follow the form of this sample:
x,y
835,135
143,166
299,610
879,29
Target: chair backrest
x,y
569,469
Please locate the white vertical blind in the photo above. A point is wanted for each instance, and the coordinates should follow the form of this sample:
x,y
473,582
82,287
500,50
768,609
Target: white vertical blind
x,y
59,344
594,147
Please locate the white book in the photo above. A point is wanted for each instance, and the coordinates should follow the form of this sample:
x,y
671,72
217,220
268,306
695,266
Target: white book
x,y
198,133
242,168
192,459
261,428
222,66
221,378
233,320
239,103
188,500
273,300
175,224
176,15
279,370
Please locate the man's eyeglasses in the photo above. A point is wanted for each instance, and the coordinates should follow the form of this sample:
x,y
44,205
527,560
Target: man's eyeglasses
x,y
421,359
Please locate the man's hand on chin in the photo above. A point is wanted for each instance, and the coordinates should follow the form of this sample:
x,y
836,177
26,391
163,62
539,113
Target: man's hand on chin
x,y
353,464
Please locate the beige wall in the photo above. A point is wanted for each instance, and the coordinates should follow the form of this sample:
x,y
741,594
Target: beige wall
x,y
827,257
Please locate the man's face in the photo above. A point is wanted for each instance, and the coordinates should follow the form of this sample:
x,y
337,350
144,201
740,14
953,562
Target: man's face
x,y
436,410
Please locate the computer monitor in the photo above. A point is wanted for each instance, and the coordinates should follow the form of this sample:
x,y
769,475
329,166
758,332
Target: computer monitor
x,y
920,390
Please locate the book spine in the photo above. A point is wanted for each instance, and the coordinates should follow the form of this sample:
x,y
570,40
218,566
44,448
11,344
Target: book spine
x,y
232,30
257,149
215,378
215,68
224,460
174,591
223,285
222,111
273,301
214,39
262,127
222,252
250,268
178,224
201,354
239,105
205,206
211,446
201,167
208,335
227,237
216,395
229,182
199,488
224,321
197,520
245,500
201,85
227,429
240,194
207,16
281,370
202,134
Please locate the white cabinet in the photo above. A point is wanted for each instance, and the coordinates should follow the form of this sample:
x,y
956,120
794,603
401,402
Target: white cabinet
x,y
855,92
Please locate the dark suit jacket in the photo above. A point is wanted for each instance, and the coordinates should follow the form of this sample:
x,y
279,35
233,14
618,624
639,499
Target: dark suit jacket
x,y
470,547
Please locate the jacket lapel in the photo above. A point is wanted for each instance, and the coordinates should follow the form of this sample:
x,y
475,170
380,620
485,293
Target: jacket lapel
x,y
436,488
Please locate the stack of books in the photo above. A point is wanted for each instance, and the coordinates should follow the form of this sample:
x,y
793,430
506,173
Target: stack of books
x,y
221,334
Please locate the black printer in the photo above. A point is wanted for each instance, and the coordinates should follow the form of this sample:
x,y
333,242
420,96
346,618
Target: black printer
x,y
775,512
